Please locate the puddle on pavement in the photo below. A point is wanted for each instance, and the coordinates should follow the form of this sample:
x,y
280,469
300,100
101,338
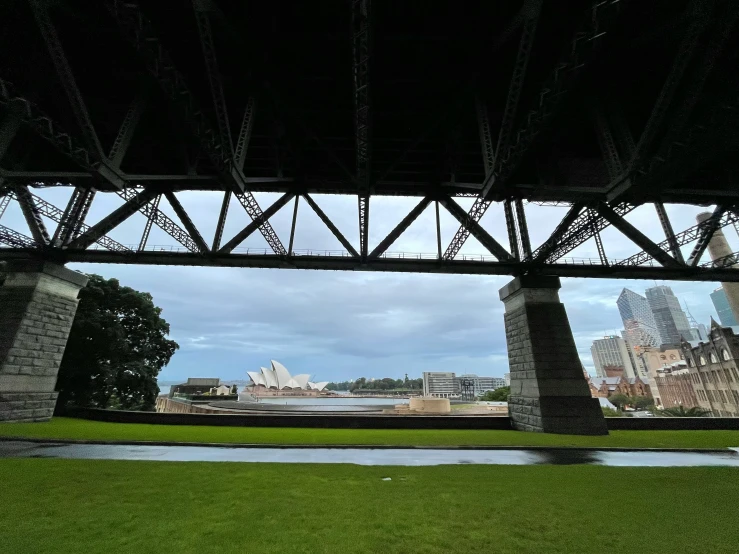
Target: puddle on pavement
x,y
365,456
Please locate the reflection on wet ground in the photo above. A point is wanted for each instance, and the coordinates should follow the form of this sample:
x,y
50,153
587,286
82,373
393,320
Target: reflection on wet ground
x,y
366,456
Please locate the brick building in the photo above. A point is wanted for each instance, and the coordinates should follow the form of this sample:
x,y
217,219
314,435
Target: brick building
x,y
673,386
712,368
604,387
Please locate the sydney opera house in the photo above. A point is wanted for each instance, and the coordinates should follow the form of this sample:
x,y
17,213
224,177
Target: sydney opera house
x,y
278,379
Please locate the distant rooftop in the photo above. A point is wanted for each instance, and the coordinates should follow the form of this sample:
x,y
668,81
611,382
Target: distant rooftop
x,y
203,381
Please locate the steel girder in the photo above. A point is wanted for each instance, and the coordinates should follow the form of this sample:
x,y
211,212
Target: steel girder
x,y
400,228
4,201
247,124
100,162
223,214
710,227
384,264
202,16
115,218
140,33
726,261
9,125
669,232
55,214
165,223
694,86
126,131
671,143
635,235
14,239
149,223
475,229
334,230
46,128
582,50
32,215
293,225
361,51
575,229
186,221
685,237
257,223
700,15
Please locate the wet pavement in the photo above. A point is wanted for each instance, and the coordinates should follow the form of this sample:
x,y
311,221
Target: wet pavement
x,y
367,456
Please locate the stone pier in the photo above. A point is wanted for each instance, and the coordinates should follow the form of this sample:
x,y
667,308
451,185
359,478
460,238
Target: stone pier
x,y
549,392
38,301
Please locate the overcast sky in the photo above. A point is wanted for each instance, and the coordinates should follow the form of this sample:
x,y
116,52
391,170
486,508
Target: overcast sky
x,y
344,325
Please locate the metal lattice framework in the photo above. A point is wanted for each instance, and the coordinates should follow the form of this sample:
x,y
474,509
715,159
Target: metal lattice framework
x,y
485,104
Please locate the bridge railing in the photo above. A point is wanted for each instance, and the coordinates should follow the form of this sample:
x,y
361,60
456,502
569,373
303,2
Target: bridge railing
x,y
316,252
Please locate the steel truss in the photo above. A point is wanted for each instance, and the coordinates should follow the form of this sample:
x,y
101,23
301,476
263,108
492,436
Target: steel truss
x,y
361,42
672,147
580,224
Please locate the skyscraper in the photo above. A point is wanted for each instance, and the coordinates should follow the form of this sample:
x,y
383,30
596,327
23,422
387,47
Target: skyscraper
x,y
639,324
612,352
671,322
721,303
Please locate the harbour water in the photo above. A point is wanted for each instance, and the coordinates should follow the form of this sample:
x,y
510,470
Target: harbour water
x,y
331,401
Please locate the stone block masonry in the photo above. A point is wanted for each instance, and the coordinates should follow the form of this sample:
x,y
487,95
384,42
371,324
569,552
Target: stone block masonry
x,y
549,392
38,302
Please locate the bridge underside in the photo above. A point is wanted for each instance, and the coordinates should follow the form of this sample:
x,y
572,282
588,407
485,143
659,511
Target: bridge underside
x,y
597,106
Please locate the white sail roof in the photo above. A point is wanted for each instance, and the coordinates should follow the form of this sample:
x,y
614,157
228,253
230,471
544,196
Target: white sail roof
x,y
269,378
256,377
282,374
278,377
302,380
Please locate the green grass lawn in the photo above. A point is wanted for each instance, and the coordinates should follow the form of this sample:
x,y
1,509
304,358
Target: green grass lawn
x,y
107,506
67,428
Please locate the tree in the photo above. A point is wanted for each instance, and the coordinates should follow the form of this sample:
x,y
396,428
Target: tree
x,y
680,411
610,412
116,348
642,402
234,389
498,395
620,400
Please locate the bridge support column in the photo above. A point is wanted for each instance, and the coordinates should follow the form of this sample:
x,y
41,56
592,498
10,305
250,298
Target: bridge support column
x,y
38,301
549,392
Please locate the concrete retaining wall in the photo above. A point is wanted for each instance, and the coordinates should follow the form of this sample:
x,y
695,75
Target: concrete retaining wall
x,y
333,421
363,421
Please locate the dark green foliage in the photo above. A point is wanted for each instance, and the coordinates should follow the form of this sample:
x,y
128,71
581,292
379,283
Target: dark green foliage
x,y
620,400
681,411
498,395
642,402
116,348
387,383
610,412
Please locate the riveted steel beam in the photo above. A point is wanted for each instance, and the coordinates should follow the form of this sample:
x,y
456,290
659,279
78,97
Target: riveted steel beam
x,y
112,220
475,229
330,224
400,228
14,239
32,215
186,221
639,238
256,223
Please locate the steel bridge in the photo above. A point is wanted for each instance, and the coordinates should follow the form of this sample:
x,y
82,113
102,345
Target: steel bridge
x,y
598,105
